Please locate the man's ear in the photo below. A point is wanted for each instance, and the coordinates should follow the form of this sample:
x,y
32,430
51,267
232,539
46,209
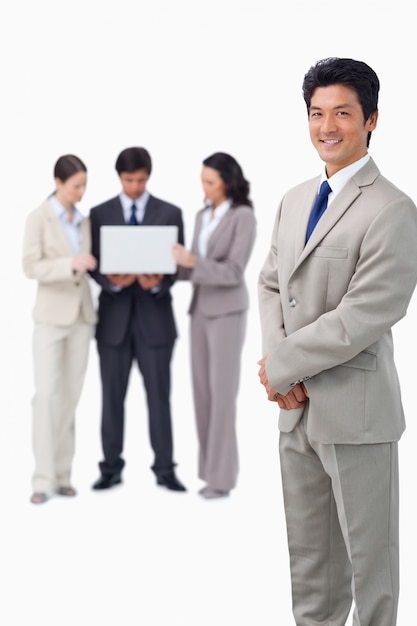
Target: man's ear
x,y
372,121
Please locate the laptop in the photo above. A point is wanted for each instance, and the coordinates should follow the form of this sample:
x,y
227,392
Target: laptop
x,y
137,249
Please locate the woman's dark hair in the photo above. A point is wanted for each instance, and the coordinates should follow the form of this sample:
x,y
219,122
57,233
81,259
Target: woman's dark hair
x,y
68,165
237,187
132,159
355,75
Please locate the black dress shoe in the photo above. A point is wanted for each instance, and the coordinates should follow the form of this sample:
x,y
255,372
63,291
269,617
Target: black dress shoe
x,y
170,481
105,482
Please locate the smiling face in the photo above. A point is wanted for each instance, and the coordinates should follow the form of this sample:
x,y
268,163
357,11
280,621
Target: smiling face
x,y
337,127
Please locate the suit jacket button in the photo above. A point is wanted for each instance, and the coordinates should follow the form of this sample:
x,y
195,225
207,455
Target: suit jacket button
x,y
292,303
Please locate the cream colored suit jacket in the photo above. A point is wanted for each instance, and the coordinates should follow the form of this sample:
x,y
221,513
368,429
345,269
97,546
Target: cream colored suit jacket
x,y
47,257
327,307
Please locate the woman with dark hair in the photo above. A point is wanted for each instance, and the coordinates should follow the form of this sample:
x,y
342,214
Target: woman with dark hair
x,y
223,241
56,253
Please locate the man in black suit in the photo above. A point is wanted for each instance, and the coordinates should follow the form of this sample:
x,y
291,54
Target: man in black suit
x,y
135,322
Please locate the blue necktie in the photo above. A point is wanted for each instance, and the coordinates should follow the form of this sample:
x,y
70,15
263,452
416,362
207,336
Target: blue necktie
x,y
319,207
133,221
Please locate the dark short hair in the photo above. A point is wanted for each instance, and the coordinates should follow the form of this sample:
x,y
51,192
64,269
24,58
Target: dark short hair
x,y
132,159
68,165
237,187
355,75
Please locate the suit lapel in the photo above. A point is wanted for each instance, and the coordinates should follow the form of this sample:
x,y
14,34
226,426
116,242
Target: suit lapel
x,y
56,229
306,201
221,231
340,204
85,241
197,230
350,192
148,218
117,216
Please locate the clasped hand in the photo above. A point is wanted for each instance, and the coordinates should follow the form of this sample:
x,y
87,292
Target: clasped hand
x,y
146,281
294,399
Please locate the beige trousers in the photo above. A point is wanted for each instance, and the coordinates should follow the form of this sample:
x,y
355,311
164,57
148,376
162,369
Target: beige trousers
x,y
60,357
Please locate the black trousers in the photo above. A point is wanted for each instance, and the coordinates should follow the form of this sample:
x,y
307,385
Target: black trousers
x,y
154,365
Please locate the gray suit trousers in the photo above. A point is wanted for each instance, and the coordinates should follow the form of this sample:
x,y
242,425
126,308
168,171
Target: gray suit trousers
x,y
341,507
217,344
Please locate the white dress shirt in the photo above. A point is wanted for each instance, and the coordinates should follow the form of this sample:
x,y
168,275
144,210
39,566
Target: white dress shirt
x,y
211,218
71,229
339,180
140,202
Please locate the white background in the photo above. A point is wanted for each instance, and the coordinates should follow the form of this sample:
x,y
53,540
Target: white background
x,y
184,79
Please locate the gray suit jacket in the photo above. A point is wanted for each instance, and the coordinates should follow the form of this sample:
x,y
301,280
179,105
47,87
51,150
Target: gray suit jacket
x,y
47,257
218,279
327,307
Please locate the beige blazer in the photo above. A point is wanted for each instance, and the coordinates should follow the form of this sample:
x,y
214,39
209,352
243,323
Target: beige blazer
x,y
47,257
218,279
327,307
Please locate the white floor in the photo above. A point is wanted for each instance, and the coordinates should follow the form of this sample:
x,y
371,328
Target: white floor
x,y
139,554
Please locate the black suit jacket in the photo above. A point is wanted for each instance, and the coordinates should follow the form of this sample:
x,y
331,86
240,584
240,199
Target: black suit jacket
x,y
132,305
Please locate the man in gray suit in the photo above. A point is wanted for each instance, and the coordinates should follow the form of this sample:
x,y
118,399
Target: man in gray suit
x,y
330,292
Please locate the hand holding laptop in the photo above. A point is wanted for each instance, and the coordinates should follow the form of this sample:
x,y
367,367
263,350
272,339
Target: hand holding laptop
x,y
121,280
146,281
149,281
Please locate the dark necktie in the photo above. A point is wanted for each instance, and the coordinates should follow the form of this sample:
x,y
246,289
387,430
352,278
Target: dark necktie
x,y
319,207
133,221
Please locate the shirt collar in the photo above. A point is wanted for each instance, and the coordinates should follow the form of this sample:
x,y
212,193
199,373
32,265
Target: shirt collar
x,y
221,209
140,202
62,213
339,180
